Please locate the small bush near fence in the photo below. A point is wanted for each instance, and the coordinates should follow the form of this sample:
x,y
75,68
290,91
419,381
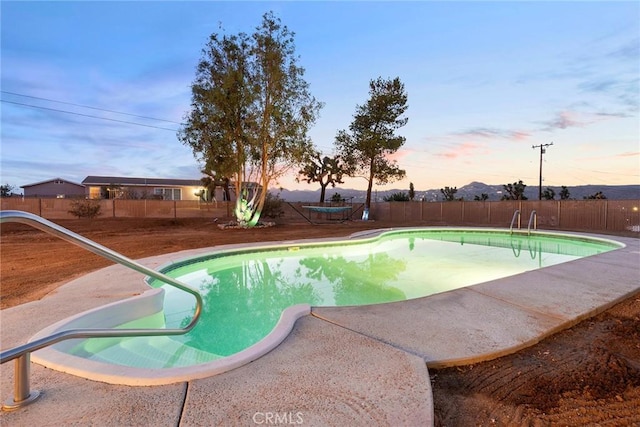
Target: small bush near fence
x,y
272,206
85,208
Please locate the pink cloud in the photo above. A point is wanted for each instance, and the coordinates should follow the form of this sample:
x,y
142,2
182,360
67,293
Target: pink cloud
x,y
493,133
463,150
563,120
629,154
568,119
399,155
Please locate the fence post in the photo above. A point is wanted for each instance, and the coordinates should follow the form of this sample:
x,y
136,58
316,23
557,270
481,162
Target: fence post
x,y
462,213
113,207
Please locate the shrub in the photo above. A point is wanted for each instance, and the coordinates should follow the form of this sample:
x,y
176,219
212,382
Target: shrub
x,y
272,206
6,190
337,198
397,197
85,208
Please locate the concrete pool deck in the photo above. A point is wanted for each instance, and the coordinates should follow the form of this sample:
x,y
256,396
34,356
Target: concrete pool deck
x,y
339,366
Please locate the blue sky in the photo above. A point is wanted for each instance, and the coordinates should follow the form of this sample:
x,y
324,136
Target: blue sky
x,y
486,81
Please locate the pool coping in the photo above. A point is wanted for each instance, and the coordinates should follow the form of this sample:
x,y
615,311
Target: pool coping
x,y
543,315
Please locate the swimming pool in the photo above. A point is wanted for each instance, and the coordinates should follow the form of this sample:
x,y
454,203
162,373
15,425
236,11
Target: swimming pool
x,y
253,295
245,291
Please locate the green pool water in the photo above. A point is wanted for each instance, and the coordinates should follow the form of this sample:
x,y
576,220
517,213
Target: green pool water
x,y
245,292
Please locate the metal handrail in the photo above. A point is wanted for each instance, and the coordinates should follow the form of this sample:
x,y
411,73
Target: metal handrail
x,y
533,218
516,214
21,354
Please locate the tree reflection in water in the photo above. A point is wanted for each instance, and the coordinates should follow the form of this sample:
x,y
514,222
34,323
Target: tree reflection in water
x,y
243,302
358,282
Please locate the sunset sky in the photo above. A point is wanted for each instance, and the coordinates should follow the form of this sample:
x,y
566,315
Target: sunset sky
x,y
100,88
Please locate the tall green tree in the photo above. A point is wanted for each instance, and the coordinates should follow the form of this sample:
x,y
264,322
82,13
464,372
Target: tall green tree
x,y
564,193
324,170
250,112
222,118
412,192
372,135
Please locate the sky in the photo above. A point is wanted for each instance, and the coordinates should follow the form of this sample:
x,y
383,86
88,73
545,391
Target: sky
x,y
100,88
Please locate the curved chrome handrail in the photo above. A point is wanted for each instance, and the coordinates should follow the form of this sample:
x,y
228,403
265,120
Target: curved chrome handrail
x,y
533,219
22,396
516,215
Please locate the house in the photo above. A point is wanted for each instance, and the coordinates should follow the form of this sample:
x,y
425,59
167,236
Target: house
x,y
117,187
54,188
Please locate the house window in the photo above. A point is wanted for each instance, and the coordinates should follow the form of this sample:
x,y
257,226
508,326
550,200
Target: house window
x,y
168,193
58,181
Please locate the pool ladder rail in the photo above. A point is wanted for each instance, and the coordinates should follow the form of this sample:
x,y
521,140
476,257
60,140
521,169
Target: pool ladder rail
x,y
533,220
22,395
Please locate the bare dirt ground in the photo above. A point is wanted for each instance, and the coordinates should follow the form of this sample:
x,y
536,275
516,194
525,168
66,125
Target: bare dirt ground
x,y
586,375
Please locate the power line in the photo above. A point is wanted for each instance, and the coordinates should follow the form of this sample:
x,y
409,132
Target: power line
x,y
86,115
542,151
89,107
603,172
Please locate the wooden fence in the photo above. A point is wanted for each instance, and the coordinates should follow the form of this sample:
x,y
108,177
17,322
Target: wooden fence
x,y
592,215
595,215
120,208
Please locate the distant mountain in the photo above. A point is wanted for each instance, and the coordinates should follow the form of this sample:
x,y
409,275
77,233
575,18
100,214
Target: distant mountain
x,y
468,192
495,192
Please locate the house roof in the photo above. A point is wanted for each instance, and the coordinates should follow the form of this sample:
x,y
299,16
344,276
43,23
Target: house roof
x,y
51,180
120,180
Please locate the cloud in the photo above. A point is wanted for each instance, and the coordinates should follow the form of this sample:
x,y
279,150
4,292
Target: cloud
x,y
399,155
41,143
562,120
604,84
601,76
463,150
623,90
471,142
40,170
628,154
568,119
493,133
629,50
613,115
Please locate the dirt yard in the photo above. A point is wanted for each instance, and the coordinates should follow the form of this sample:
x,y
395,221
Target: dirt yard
x,y
586,375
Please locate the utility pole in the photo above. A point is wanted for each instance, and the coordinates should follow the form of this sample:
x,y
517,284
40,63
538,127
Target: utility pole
x,y
542,151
